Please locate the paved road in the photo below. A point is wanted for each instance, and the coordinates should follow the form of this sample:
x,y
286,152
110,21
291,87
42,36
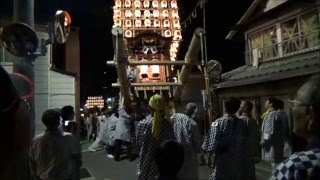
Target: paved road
x,y
103,168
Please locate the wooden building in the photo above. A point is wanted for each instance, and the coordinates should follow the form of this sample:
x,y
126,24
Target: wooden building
x,y
282,43
57,74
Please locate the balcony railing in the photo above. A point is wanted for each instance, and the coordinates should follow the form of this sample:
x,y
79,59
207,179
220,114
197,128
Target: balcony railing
x,y
296,45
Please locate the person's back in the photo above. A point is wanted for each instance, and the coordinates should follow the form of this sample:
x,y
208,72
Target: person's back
x,y
186,133
169,159
54,154
228,141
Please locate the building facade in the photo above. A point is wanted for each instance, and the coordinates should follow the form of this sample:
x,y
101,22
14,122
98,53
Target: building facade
x,y
54,87
282,42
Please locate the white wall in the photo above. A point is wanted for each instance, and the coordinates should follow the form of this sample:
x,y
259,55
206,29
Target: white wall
x,y
52,89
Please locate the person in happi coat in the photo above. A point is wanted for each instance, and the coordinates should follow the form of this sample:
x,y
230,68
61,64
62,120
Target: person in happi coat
x,y
287,150
227,140
272,136
123,132
306,119
246,116
150,133
186,133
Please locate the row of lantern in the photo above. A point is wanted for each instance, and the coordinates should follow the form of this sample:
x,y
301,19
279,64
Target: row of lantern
x,y
147,23
174,50
167,33
155,69
146,4
146,14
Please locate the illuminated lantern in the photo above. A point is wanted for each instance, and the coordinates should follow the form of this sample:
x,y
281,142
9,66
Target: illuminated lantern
x,y
177,35
167,33
128,23
175,14
138,23
137,4
156,23
128,33
165,13
155,4
166,23
155,69
174,4
147,23
127,3
164,4
144,70
156,13
128,14
137,13
118,3
117,22
117,13
176,24
146,13
146,3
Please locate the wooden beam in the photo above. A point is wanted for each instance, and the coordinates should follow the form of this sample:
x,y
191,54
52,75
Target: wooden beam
x,y
164,62
151,84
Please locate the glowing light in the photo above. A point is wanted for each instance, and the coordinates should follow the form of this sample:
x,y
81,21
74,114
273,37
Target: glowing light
x,y
117,13
174,4
117,23
177,35
155,69
166,23
147,23
164,4
137,13
137,4
167,33
165,13
128,33
146,3
155,4
175,14
176,24
144,70
127,3
118,4
138,23
146,13
156,23
128,14
128,23
156,13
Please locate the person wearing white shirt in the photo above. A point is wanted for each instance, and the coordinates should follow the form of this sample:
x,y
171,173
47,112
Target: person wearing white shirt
x,y
53,154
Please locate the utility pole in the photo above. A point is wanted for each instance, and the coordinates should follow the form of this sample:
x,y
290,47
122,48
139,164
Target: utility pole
x,y
24,12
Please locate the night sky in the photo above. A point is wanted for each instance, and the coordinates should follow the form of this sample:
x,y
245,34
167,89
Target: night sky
x,y
94,17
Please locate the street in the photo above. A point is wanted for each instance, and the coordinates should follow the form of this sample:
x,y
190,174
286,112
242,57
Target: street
x,y
100,167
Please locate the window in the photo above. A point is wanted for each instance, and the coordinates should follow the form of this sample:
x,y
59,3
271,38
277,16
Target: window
x,y
309,27
298,34
290,36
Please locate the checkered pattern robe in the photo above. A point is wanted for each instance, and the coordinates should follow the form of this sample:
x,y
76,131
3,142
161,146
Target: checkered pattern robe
x,y
273,133
147,144
228,141
300,166
186,133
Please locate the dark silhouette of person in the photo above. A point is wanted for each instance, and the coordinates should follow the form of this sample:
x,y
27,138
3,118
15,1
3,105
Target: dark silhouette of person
x,y
169,159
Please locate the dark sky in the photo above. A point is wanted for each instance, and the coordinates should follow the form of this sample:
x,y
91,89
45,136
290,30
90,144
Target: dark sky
x,y
94,17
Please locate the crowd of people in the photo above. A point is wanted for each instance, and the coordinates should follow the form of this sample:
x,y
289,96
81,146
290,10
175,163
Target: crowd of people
x,y
166,145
